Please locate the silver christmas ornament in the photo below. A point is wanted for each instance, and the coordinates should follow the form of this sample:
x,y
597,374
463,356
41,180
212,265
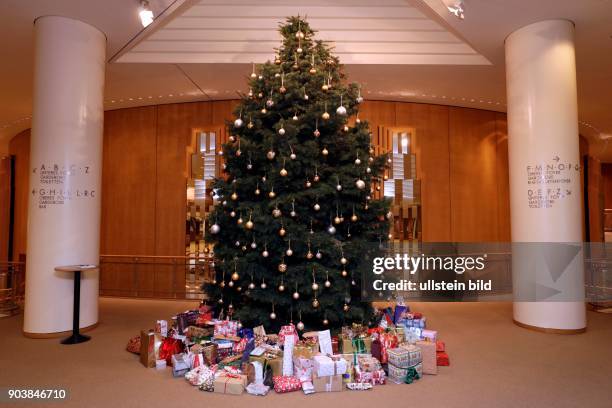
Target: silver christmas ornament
x,y
263,285
319,255
327,284
265,253
215,228
289,251
281,288
272,315
281,131
316,207
315,286
343,261
238,123
360,184
251,286
254,245
331,229
341,110
292,156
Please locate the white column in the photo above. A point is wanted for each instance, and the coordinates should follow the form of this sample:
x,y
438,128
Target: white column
x,y
545,197
65,173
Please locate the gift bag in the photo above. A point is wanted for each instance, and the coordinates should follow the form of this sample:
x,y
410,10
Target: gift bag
x,y
149,347
168,348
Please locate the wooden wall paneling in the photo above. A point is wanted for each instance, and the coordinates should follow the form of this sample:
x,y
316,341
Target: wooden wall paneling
x,y
175,124
128,196
503,179
19,146
5,206
431,146
606,173
473,175
222,111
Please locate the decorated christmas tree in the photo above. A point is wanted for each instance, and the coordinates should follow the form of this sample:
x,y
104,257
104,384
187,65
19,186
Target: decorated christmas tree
x,y
296,210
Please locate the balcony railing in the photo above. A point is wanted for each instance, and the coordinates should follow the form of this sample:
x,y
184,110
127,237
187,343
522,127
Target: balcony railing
x,y
12,287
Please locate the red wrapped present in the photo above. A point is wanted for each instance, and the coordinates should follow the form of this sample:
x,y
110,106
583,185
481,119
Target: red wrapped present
x,y
226,328
288,330
417,315
203,319
388,341
371,377
240,345
286,384
442,359
440,345
169,347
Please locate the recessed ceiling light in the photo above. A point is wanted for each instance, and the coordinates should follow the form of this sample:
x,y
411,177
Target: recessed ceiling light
x,y
145,13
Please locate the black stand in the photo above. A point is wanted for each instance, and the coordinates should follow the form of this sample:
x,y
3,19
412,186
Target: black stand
x,y
76,337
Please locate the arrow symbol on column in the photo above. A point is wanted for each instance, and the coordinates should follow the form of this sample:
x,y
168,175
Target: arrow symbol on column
x,y
556,158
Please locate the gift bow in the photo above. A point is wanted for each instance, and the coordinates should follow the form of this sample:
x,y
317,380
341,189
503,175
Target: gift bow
x,y
411,375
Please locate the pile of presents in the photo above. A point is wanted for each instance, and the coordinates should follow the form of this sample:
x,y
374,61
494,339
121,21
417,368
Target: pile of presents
x,y
219,355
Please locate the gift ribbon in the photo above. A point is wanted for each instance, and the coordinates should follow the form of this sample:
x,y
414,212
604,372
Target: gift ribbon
x,y
411,375
358,345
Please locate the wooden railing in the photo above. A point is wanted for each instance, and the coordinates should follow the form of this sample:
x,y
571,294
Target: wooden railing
x,y
174,277
12,287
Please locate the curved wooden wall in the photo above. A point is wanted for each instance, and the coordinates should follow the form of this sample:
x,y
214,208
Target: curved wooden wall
x,y
462,161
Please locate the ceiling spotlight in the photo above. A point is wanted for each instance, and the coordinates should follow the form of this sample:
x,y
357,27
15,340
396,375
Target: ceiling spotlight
x,y
145,13
456,8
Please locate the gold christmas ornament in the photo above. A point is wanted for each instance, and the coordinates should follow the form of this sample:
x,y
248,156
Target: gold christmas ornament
x,y
325,116
276,213
282,232
271,154
235,276
315,303
272,194
325,152
282,267
234,196
360,184
283,172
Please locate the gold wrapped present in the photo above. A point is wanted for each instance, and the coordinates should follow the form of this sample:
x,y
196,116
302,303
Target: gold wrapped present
x,y
228,383
273,360
358,345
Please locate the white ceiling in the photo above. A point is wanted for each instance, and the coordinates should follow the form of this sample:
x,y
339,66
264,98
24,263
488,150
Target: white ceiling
x,y
251,27
362,32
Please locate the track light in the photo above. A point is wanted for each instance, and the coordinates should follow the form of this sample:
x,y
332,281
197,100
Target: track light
x,y
456,8
145,13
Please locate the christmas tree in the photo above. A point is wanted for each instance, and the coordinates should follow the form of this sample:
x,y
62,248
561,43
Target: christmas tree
x,y
296,213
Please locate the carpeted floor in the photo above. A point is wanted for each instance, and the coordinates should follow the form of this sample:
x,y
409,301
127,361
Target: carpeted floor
x,y
493,364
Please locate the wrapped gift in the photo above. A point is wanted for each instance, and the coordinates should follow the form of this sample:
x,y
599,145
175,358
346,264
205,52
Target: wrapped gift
x,y
161,328
208,349
133,345
430,335
303,351
230,383
272,360
239,346
150,342
224,348
226,328
160,364
330,383
186,319
246,332
440,346
288,330
356,345
406,356
412,334
428,352
194,332
351,361
326,365
286,384
442,359
200,376
180,364
195,360
372,377
399,311
257,389
421,323
388,341
354,386
168,348
398,375
368,363
302,367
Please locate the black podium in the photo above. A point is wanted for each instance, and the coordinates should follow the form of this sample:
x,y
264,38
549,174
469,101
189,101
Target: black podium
x,y
76,337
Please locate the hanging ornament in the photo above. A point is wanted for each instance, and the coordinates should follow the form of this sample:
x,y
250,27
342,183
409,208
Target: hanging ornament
x,y
344,273
325,322
230,284
215,228
276,212
338,185
292,156
281,131
237,243
308,183
312,70
253,74
250,92
293,213
282,231
289,251
272,315
325,114
357,120
257,190
265,252
341,109
300,326
296,294
295,64
331,229
354,216
282,88
277,60
306,97
319,255
238,122
269,103
316,132
315,303
252,284
346,307
359,97
282,267
232,138
368,170
220,301
271,154
234,196
250,163
272,194
316,177
325,152
235,275
337,220
232,214
240,220
311,230
283,172
253,244
294,117
263,284
316,207
281,287
250,125
360,184
315,285
327,282
343,260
